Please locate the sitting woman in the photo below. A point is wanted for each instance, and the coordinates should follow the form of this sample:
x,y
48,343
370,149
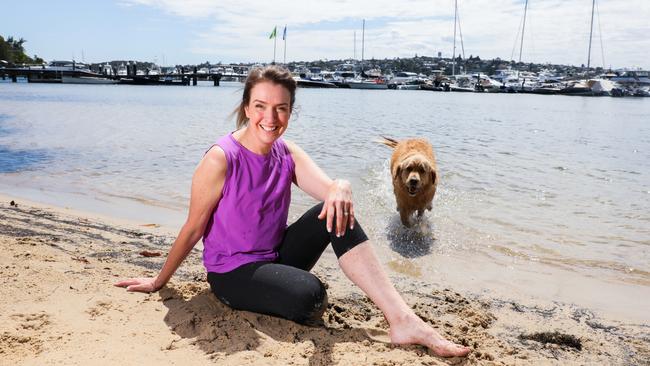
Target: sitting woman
x,y
239,204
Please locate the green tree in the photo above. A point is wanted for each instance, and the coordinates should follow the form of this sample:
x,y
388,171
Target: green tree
x,y
13,51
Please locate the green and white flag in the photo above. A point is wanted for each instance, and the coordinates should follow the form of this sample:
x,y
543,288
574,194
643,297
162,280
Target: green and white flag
x,y
274,33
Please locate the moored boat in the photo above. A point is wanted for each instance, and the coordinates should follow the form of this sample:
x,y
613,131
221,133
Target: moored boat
x,y
308,83
86,80
366,84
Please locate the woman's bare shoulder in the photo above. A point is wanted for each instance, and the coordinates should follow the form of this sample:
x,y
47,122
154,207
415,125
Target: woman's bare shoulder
x,y
293,147
214,160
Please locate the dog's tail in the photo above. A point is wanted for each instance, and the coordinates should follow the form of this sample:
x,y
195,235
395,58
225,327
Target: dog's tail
x,y
388,142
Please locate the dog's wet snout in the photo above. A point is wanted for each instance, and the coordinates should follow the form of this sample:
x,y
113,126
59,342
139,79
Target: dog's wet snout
x,y
413,182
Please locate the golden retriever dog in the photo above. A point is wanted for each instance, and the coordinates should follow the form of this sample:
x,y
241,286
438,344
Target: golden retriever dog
x,y
415,176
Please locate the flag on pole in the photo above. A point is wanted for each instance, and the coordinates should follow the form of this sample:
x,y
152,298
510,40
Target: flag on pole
x,y
273,34
284,33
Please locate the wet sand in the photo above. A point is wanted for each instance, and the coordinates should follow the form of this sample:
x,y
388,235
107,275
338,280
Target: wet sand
x,y
58,306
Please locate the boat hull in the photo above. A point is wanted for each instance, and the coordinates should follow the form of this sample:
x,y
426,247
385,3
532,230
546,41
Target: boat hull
x,y
315,84
353,85
86,80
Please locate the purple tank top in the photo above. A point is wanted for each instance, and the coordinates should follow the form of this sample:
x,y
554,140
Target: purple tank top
x,y
249,221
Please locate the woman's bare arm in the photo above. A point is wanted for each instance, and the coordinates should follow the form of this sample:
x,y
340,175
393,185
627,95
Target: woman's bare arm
x,y
336,194
207,184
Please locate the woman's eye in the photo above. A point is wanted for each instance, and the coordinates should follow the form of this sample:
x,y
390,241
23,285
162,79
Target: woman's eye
x,y
259,106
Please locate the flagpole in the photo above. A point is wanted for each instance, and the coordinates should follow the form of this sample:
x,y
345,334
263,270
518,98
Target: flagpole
x,y
275,42
284,38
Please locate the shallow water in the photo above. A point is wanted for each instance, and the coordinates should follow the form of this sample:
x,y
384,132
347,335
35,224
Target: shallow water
x,y
542,196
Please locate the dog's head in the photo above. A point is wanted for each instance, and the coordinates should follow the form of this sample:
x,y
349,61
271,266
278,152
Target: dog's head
x,y
415,173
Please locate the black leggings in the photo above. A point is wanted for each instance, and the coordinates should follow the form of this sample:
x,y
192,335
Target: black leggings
x,y
285,288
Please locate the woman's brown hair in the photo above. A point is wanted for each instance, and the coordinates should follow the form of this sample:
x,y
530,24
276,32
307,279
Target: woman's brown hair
x,y
275,74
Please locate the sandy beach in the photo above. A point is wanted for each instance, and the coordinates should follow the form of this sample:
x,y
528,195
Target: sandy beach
x,y
58,306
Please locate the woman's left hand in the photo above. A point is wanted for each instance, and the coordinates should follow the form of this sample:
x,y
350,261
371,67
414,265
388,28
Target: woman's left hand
x,y
338,203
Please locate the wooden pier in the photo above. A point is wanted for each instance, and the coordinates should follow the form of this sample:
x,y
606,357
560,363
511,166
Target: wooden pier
x,y
45,74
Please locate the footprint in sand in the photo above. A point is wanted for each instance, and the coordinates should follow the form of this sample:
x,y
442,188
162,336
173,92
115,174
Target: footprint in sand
x,y
25,340
100,308
34,321
18,346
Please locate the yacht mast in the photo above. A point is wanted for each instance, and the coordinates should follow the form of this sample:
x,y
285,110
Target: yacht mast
x,y
591,31
453,54
523,28
363,38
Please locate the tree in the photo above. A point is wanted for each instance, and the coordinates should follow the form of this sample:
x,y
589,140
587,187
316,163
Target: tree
x,y
5,50
13,51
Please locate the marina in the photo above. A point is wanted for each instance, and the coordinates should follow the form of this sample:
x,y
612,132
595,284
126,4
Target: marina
x,y
622,83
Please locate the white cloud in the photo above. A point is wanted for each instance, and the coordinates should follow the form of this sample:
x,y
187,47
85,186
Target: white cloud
x,y
556,30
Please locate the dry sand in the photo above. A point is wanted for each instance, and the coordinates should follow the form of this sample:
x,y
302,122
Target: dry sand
x,y
58,306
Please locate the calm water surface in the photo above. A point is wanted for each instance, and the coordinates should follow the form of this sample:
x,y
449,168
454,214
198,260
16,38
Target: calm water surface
x,y
544,196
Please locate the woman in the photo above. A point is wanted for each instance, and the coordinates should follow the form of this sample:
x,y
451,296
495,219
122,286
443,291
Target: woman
x,y
239,204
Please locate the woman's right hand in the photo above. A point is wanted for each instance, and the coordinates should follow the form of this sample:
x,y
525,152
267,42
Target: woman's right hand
x,y
139,284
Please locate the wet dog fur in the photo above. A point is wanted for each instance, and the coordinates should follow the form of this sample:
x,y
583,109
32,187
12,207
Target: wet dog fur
x,y
414,174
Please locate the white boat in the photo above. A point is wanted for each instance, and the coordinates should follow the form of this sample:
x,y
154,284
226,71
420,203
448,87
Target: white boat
x,y
373,73
122,71
107,69
229,74
366,84
629,77
601,87
502,75
522,82
403,77
86,80
640,92
362,83
154,70
485,83
405,80
462,83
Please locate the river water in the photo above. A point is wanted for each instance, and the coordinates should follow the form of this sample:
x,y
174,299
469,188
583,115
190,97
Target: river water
x,y
540,197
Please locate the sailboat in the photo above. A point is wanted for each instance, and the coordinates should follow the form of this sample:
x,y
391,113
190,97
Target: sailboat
x,y
463,82
591,87
522,81
361,82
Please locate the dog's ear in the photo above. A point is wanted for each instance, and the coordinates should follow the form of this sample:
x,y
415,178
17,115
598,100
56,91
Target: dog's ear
x,y
434,176
397,171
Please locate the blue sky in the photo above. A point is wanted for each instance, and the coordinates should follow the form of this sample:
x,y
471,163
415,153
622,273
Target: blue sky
x,y
193,31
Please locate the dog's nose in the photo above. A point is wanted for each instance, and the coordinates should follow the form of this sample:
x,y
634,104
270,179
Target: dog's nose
x,y
413,182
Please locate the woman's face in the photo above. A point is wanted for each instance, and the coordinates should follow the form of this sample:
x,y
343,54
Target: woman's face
x,y
268,111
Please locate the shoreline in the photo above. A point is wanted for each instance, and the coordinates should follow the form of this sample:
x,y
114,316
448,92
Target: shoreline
x,y
59,304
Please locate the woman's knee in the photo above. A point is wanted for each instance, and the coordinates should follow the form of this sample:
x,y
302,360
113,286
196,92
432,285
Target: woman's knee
x,y
311,302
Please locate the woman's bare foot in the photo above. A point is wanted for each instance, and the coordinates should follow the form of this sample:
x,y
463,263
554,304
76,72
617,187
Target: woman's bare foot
x,y
413,330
